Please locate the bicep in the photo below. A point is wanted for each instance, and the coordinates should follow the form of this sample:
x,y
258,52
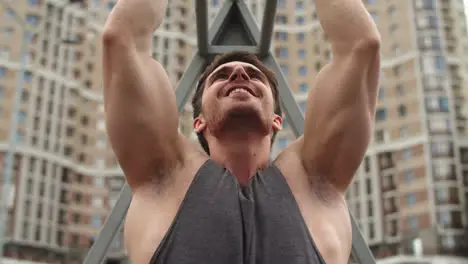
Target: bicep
x,y
141,114
338,118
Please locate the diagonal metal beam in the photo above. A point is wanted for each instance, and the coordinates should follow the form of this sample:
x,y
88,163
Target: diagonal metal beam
x,y
201,11
291,108
269,15
249,21
217,25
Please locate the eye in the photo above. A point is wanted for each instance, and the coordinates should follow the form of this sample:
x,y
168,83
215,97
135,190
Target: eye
x,y
256,75
221,76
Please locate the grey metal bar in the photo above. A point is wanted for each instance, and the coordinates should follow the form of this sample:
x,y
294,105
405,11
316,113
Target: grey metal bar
x,y
114,220
225,49
201,12
360,250
295,117
97,253
189,80
249,21
267,27
219,20
290,106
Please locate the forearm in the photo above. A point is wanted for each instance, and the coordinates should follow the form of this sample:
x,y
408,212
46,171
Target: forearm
x,y
136,20
346,23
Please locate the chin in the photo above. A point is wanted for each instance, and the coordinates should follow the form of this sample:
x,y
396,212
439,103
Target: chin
x,y
244,116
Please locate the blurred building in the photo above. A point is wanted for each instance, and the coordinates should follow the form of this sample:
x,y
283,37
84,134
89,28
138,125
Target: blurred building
x,y
410,195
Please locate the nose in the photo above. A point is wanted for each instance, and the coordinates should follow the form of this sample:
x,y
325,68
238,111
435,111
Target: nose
x,y
239,74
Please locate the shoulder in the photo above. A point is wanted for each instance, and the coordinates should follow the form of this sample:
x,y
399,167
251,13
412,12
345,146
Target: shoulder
x,y
301,180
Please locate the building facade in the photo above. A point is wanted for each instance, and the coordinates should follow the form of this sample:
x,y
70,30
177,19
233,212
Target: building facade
x,y
410,196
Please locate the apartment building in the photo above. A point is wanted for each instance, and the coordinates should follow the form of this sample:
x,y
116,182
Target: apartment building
x,y
410,195
62,181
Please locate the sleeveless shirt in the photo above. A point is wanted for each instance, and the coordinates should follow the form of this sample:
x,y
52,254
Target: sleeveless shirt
x,y
222,222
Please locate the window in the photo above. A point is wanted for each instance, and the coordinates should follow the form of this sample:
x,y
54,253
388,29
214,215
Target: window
x,y
282,36
402,110
4,53
299,5
381,114
407,154
369,186
281,4
10,13
300,20
3,72
408,175
19,137
411,199
381,136
22,116
303,70
110,5
33,2
381,93
400,89
374,16
441,194
443,104
440,63
303,87
214,3
281,20
413,222
302,53
282,52
32,19
300,37
27,76
371,231
96,221
370,208
391,10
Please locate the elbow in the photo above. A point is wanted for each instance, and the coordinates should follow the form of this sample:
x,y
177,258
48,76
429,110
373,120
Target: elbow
x,y
111,36
368,45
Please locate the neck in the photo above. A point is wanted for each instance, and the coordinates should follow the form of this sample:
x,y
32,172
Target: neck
x,y
243,155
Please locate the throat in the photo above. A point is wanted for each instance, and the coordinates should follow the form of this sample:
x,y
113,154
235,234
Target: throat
x,y
242,168
243,158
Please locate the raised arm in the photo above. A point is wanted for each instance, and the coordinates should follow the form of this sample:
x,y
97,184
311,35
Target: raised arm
x,y
341,105
141,112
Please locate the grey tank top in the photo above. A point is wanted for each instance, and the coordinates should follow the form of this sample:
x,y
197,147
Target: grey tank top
x,y
221,222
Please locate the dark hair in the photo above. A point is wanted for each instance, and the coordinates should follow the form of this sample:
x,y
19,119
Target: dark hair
x,y
225,58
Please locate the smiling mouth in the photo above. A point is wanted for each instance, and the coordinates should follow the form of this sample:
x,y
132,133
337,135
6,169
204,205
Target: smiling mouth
x,y
236,90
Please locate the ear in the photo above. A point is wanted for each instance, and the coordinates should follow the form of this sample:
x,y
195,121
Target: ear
x,y
277,122
199,124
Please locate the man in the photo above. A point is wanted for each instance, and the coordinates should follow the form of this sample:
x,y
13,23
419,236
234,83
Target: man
x,y
233,206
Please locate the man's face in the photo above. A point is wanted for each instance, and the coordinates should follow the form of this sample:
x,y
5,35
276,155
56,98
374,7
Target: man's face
x,y
237,95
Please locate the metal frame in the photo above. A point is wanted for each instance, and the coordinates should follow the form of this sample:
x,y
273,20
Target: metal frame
x,y
212,42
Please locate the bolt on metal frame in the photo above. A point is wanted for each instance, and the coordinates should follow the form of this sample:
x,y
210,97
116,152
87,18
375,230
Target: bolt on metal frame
x,y
234,28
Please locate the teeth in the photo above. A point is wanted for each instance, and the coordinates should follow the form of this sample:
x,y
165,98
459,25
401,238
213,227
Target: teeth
x,y
237,90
